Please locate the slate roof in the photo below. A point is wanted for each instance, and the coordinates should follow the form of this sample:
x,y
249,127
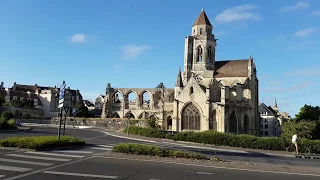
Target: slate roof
x,y
231,68
202,19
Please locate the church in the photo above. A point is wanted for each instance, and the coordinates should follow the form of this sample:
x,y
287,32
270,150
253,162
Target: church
x,y
209,94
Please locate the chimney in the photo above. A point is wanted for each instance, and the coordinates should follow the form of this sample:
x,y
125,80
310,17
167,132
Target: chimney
x,y
14,86
28,93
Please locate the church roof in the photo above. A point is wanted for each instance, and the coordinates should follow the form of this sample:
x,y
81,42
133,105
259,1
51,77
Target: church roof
x,y
231,68
202,19
179,80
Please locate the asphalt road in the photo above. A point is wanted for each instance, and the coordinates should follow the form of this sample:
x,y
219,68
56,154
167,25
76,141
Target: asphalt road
x,y
98,141
110,168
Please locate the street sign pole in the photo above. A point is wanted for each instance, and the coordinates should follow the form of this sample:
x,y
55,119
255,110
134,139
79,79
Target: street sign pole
x,y
60,118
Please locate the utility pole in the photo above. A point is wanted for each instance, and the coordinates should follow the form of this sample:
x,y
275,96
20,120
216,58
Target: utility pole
x,y
61,105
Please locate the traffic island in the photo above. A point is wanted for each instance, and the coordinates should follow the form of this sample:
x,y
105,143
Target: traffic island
x,y
40,142
140,149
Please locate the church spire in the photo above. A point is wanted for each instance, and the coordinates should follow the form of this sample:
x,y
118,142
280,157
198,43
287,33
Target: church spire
x,y
179,79
275,103
202,19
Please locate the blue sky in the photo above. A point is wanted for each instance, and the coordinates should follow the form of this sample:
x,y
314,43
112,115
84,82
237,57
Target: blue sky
x,y
139,43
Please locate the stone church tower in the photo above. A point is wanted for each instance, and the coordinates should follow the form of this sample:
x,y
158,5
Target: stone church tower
x,y
208,94
214,95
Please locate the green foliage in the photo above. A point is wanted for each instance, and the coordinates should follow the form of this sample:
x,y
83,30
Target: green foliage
x,y
40,142
308,112
304,129
82,109
160,85
139,149
148,132
2,100
224,139
6,115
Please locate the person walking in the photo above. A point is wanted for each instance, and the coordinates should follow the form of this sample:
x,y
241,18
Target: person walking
x,y
294,141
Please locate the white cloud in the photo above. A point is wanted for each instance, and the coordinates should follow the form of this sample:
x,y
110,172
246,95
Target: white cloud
x,y
299,5
305,32
132,51
316,13
238,13
78,38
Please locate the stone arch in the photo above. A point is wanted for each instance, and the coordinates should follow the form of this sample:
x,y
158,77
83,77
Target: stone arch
x,y
129,115
169,122
157,97
233,122
117,96
170,97
131,100
144,115
190,117
145,98
114,115
246,124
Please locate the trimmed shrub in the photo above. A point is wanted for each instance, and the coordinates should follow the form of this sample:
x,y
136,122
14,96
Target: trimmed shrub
x,y
6,115
40,142
140,149
224,139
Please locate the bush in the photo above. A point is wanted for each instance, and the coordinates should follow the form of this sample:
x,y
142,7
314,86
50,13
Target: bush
x,y
40,142
148,132
6,115
224,139
139,149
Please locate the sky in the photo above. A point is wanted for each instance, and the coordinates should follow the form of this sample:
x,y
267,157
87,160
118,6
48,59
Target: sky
x,y
140,43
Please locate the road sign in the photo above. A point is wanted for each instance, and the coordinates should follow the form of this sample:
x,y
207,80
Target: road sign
x,y
61,97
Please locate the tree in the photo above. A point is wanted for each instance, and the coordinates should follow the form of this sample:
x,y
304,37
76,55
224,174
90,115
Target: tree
x,y
16,103
160,85
308,112
2,101
82,109
304,129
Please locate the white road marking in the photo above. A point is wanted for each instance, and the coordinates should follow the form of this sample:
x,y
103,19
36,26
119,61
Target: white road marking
x,y
12,168
204,173
73,151
1,176
48,168
37,157
53,154
107,146
214,167
25,162
100,148
82,175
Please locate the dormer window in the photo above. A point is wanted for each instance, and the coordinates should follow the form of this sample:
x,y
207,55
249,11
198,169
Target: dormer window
x,y
200,31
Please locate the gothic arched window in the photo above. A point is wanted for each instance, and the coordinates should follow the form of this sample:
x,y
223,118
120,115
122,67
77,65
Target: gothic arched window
x,y
199,54
200,31
190,118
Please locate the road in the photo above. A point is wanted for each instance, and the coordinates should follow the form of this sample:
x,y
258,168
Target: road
x,y
13,163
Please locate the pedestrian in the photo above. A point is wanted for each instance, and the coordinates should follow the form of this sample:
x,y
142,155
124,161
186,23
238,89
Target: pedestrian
x,y
294,141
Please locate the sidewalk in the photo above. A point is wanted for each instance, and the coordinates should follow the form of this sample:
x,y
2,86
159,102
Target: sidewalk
x,y
201,146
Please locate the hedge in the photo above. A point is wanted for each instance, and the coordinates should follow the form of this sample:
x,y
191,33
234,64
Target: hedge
x,y
40,142
140,149
224,139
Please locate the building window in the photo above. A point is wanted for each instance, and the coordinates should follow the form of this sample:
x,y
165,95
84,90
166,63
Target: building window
x,y
199,54
191,91
266,133
265,120
261,126
266,126
261,133
210,54
200,31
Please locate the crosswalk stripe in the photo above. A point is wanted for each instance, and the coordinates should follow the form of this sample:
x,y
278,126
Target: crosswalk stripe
x,y
1,176
12,168
53,154
25,162
106,146
37,157
101,148
72,151
81,175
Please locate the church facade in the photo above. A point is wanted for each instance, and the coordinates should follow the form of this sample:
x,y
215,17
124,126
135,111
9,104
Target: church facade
x,y
208,94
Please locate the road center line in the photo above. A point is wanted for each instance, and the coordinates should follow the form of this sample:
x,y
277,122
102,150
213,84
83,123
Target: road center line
x,y
204,173
82,175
